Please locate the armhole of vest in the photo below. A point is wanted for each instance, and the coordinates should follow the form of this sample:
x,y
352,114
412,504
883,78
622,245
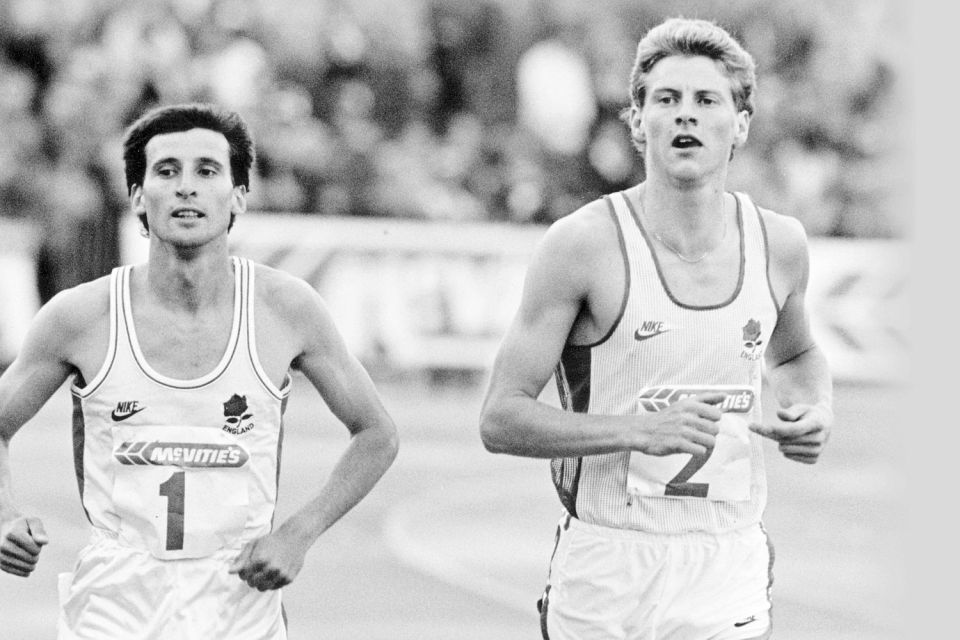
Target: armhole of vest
x,y
117,279
765,242
563,385
247,269
626,278
766,255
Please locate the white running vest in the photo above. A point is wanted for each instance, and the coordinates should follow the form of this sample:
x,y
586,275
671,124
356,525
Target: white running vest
x,y
658,351
180,468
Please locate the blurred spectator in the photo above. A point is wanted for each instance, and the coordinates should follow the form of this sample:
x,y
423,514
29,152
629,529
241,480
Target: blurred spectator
x,y
555,96
437,109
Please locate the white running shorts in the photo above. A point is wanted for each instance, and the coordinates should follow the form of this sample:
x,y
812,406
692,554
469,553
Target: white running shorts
x,y
608,584
121,592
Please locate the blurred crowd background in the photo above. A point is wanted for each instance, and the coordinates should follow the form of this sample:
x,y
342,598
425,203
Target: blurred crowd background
x,y
502,110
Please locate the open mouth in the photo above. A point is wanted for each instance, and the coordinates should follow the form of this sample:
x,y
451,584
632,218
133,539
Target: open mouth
x,y
188,214
686,142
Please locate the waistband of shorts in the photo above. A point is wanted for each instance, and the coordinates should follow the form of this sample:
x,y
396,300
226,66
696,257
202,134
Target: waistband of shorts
x,y
567,521
102,537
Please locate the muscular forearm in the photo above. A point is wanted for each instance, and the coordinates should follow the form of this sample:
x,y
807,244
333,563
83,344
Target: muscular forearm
x,y
273,561
523,426
367,457
804,379
24,388
21,539
7,509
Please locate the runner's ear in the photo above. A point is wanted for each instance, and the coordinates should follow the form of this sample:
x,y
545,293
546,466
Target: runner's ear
x,y
238,203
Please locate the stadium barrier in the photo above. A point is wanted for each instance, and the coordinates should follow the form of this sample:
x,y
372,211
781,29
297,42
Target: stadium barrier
x,y
414,295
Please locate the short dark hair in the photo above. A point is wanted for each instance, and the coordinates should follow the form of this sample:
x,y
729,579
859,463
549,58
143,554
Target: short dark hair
x,y
183,117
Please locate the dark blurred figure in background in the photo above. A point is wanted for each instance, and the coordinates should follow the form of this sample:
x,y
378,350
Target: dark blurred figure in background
x,y
415,109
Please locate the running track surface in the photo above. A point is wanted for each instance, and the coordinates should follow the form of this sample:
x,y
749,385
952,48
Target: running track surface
x,y
454,542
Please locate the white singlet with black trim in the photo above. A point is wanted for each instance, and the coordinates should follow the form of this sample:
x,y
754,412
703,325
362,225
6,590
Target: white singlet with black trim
x,y
659,351
179,468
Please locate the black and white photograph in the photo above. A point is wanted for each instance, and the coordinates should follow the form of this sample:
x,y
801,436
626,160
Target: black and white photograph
x,y
474,319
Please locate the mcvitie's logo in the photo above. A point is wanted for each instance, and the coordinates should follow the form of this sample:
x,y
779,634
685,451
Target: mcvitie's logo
x,y
239,417
650,329
735,400
126,409
182,454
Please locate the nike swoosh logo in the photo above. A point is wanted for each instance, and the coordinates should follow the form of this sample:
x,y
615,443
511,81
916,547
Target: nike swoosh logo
x,y
745,622
646,336
120,416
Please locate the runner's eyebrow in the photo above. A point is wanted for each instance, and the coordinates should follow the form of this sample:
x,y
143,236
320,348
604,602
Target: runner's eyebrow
x,y
673,91
162,161
211,161
176,162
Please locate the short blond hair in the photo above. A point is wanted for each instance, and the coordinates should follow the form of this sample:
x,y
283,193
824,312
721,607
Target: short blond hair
x,y
694,37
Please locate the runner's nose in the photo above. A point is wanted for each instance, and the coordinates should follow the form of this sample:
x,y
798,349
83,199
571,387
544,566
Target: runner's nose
x,y
186,189
685,115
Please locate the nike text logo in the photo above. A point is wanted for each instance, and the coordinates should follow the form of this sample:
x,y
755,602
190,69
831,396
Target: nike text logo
x,y
744,623
648,334
126,410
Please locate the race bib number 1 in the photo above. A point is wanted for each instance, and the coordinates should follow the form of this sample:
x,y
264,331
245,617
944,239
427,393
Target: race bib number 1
x,y
722,473
180,492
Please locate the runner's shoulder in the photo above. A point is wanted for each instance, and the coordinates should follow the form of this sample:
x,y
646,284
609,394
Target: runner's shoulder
x,y
288,305
583,234
787,244
76,312
284,292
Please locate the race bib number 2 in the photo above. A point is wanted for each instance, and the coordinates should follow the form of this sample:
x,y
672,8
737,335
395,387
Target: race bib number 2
x,y
723,473
180,492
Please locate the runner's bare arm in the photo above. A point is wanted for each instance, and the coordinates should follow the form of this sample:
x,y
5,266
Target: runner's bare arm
x,y
796,366
513,421
39,369
274,560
